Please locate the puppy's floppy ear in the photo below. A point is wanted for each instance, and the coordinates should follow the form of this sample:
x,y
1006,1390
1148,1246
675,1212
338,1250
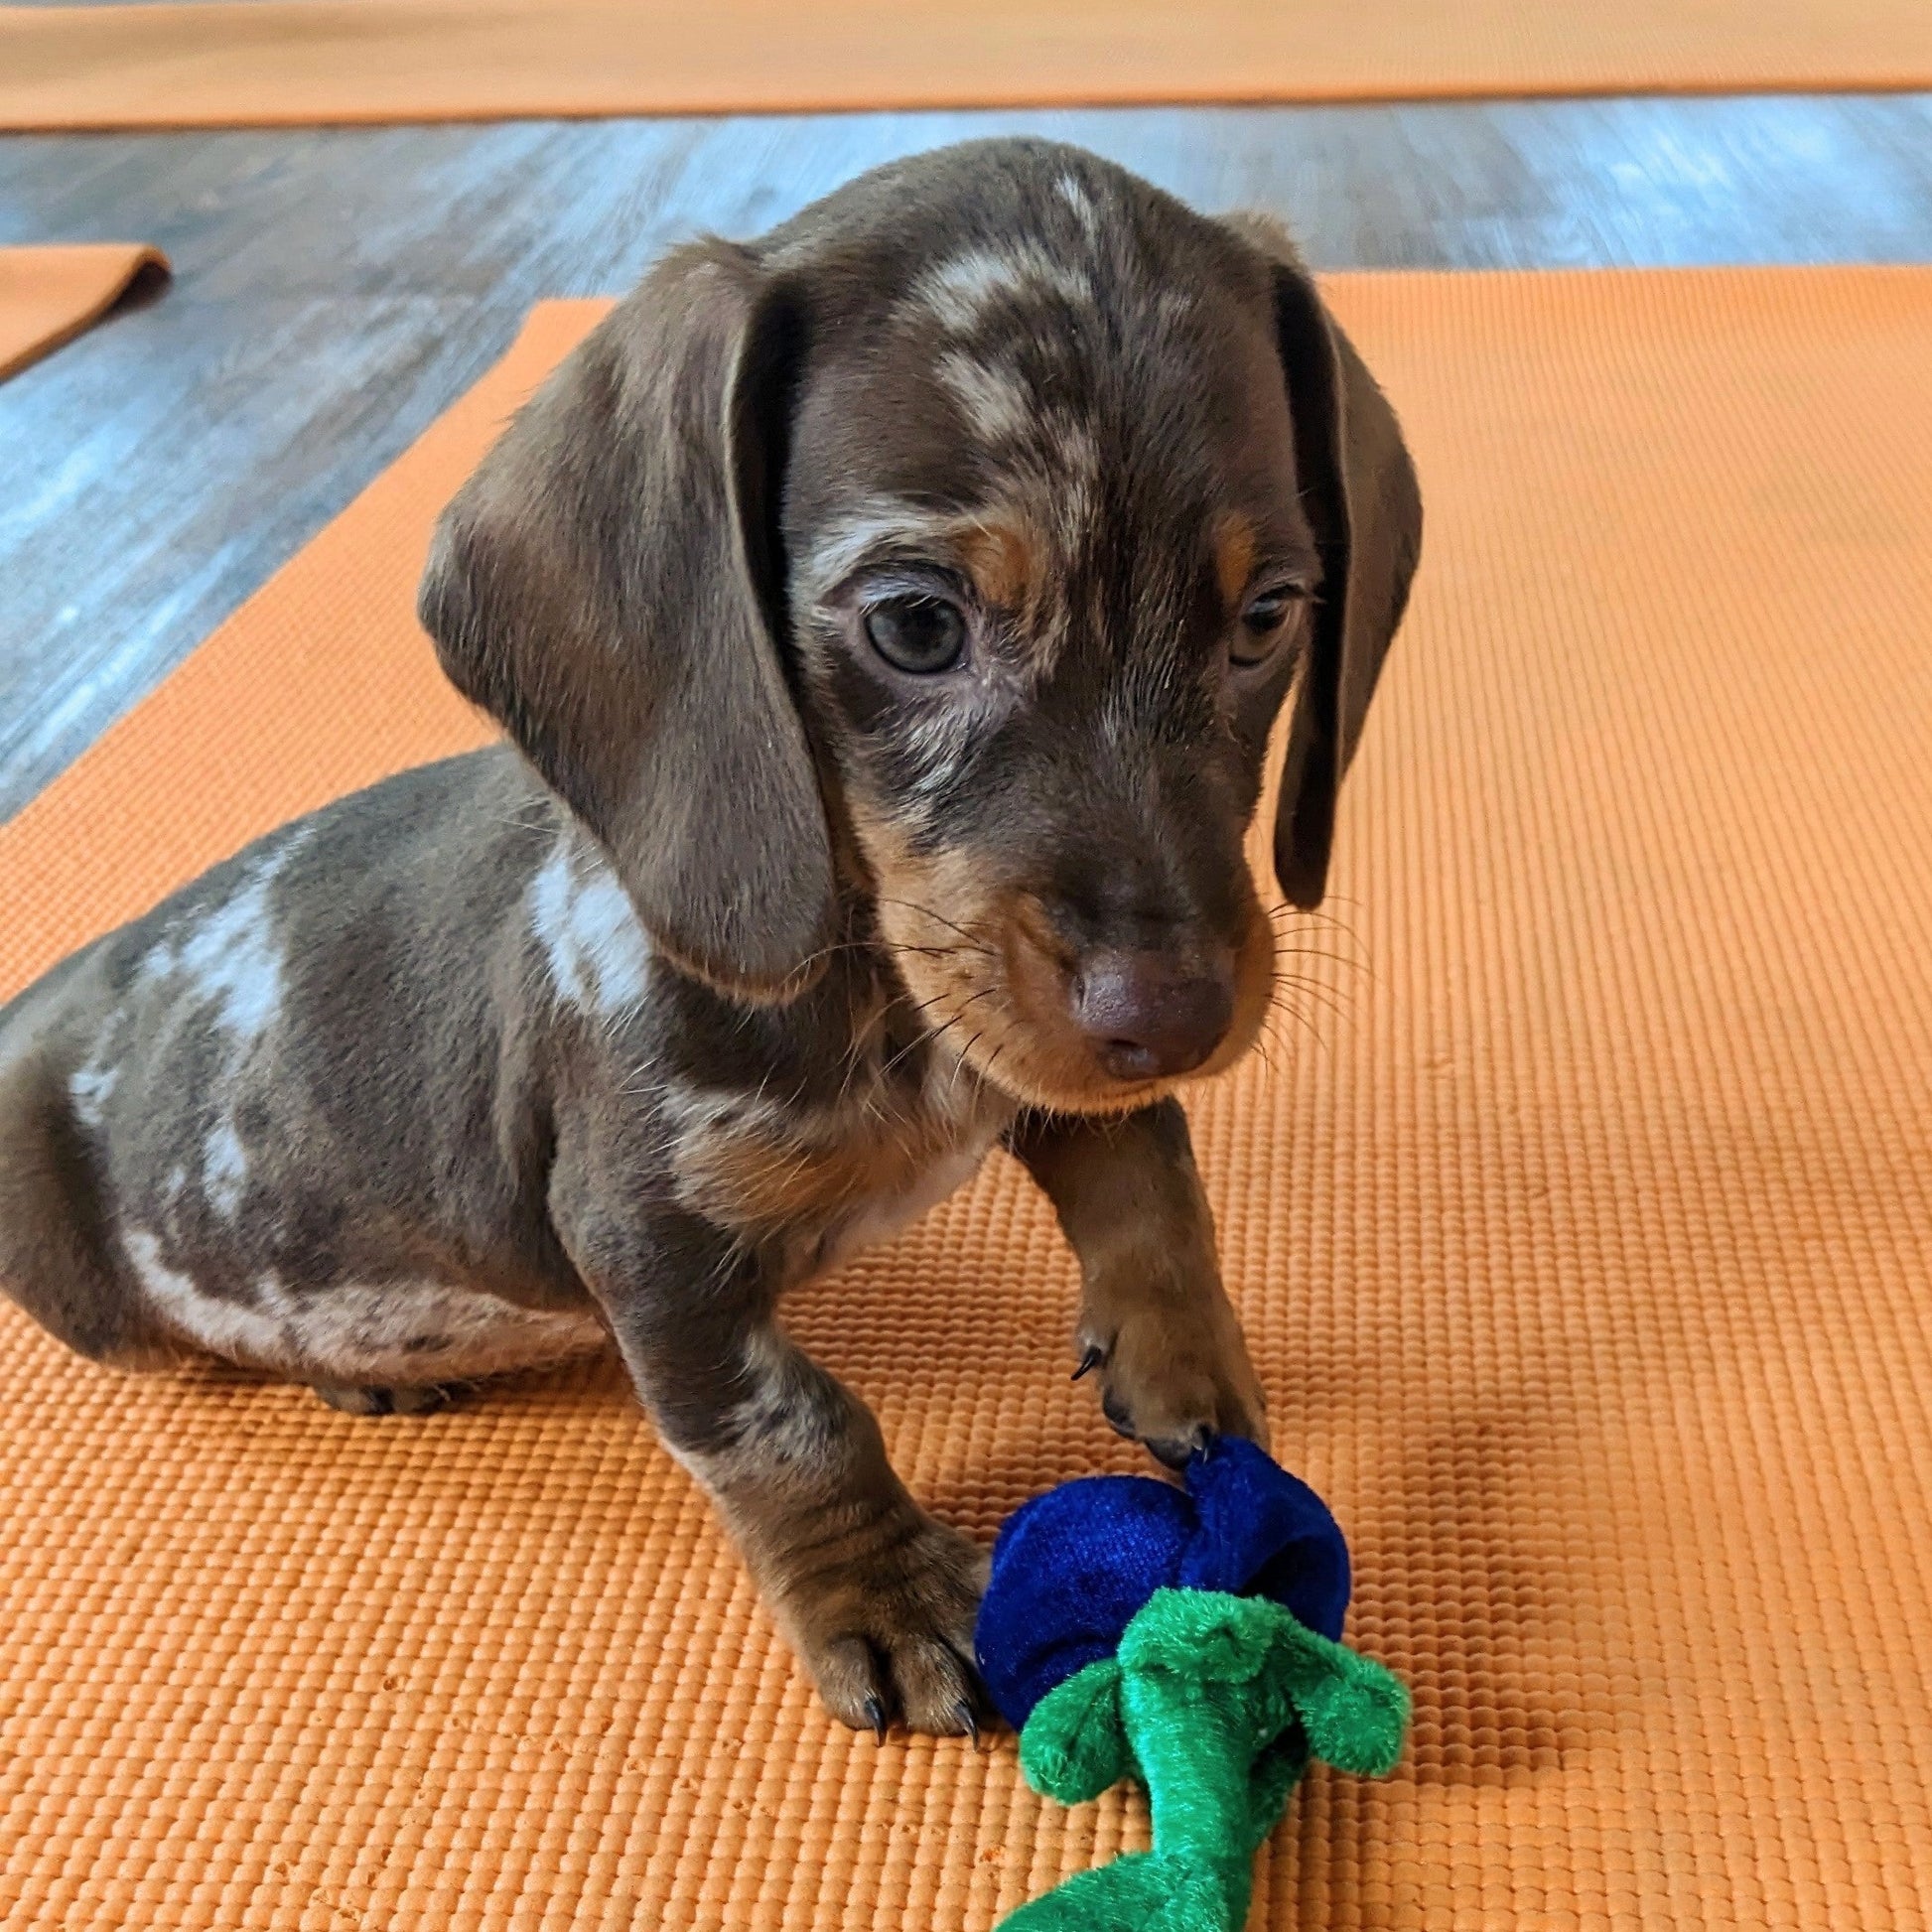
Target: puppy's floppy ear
x,y
609,585
1360,492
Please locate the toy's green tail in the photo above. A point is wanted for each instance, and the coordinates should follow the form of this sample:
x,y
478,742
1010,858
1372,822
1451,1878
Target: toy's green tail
x,y
1141,1891
1215,1702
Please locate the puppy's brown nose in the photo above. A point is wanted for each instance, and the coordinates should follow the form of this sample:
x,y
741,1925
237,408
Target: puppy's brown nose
x,y
1150,1014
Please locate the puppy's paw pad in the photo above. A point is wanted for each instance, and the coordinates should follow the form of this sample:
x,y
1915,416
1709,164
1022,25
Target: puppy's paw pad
x,y
891,1635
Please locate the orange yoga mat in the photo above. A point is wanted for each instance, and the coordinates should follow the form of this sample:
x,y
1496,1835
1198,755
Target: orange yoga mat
x,y
1583,1225
49,295
232,62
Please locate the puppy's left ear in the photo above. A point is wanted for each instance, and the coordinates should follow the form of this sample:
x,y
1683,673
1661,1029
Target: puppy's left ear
x,y
1360,491
608,585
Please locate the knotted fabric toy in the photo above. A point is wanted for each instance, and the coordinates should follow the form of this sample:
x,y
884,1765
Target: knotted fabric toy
x,y
1193,1640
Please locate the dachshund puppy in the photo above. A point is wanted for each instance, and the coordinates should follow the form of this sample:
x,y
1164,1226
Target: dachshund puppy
x,y
887,617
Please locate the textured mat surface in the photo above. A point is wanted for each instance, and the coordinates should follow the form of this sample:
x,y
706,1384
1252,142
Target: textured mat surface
x,y
1582,1226
240,62
49,295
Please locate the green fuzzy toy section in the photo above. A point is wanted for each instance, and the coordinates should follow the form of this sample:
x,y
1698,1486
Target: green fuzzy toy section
x,y
1216,1704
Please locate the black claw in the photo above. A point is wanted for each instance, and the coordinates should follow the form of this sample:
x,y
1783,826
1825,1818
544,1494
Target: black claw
x,y
970,1719
877,1712
1090,1361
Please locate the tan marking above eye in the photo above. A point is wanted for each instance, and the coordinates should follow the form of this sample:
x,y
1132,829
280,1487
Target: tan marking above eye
x,y
1007,560
1234,554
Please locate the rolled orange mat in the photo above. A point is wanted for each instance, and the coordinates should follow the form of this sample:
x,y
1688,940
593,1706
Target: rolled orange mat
x,y
262,62
49,295
1582,1223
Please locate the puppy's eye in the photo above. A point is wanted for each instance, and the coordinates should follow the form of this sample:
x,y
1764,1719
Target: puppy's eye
x,y
1265,622
920,634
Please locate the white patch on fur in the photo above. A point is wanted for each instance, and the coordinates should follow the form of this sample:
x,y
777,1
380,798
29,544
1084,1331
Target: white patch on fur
x,y
90,1088
1074,458
959,292
360,1334
229,956
1081,202
593,943
868,533
696,1112
224,1166
226,967
997,406
221,1326
237,966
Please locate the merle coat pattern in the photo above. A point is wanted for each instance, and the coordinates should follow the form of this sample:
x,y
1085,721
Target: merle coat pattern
x,y
887,617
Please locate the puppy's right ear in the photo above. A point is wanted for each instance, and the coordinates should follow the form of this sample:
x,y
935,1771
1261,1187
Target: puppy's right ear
x,y
608,585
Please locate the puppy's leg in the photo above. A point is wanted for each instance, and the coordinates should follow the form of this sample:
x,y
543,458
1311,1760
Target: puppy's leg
x,y
57,1246
1155,1318
876,1597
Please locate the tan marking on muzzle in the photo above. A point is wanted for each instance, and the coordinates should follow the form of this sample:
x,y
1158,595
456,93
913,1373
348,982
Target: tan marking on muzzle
x,y
990,975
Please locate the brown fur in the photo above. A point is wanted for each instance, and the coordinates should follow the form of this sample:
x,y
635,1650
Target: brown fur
x,y
862,604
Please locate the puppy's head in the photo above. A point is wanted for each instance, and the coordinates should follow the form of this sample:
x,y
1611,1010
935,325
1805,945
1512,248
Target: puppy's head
x,y
954,547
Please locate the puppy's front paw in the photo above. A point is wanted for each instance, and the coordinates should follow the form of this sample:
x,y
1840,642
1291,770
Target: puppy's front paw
x,y
889,1631
1174,1378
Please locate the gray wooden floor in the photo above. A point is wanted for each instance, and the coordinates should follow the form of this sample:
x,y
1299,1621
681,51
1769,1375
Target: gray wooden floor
x,y
337,288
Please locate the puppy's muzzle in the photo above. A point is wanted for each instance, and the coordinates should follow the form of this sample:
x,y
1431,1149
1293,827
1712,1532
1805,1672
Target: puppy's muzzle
x,y
1149,1013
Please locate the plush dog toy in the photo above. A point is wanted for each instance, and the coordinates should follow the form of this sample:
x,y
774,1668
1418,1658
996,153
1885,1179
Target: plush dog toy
x,y
1191,1639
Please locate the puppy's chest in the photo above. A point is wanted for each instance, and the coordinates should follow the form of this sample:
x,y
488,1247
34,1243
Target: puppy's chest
x,y
822,1181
